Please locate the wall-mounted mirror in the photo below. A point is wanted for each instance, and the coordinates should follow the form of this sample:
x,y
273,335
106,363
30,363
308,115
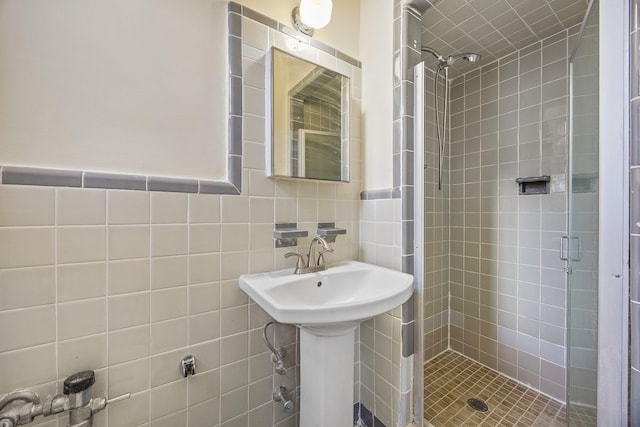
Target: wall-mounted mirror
x,y
307,120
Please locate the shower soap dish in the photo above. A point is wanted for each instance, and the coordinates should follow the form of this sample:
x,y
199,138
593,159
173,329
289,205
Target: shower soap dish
x,y
534,185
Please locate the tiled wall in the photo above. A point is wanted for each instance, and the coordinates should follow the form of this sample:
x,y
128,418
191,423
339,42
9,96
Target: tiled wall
x,y
634,215
387,342
128,282
507,289
436,232
380,341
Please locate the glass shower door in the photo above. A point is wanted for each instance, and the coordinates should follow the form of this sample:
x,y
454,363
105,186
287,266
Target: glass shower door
x,y
582,241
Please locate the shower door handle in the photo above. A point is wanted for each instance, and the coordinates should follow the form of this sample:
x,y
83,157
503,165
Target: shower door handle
x,y
564,256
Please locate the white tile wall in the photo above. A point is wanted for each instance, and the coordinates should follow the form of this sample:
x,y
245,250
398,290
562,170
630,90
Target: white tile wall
x,y
380,341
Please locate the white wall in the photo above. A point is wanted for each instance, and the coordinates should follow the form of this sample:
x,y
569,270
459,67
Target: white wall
x,y
129,87
376,54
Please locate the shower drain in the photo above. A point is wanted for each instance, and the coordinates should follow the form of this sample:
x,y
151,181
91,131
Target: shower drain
x,y
478,405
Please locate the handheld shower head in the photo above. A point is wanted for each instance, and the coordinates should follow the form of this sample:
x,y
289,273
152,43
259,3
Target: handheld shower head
x,y
469,57
445,62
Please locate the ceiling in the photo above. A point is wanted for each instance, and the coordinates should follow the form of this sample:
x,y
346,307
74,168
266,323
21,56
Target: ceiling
x,y
494,28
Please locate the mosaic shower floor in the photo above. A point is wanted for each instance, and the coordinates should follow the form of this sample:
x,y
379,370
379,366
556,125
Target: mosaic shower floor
x,y
451,378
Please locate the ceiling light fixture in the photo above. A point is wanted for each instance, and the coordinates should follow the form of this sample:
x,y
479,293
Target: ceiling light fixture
x,y
311,15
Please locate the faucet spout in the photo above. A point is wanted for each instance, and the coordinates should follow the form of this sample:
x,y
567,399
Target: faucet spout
x,y
314,262
317,261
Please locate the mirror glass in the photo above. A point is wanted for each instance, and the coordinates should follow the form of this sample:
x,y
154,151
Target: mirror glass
x,y
309,120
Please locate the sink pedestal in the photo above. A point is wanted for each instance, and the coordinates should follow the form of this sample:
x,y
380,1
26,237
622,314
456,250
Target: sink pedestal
x,y
326,375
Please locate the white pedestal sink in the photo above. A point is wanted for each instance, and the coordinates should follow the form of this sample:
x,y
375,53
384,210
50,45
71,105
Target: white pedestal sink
x,y
328,306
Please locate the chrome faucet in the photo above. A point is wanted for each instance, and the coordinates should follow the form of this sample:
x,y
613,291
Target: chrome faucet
x,y
314,262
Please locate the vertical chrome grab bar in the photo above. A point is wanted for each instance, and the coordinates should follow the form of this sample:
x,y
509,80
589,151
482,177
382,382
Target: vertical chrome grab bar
x,y
564,256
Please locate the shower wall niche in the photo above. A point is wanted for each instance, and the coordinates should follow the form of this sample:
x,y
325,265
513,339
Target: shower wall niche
x,y
494,282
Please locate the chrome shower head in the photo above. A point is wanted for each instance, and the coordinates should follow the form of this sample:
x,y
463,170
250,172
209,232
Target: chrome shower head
x,y
469,57
445,62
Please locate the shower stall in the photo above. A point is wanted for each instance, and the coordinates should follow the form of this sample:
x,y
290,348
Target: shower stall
x,y
508,276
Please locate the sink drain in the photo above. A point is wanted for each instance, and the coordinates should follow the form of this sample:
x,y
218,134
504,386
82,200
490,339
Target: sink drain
x,y
478,405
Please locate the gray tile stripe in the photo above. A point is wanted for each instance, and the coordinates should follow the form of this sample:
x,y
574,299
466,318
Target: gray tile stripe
x,y
234,7
235,133
408,310
41,176
176,185
408,348
11,175
218,187
114,181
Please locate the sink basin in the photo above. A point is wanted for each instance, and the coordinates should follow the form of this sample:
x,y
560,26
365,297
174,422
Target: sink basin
x,y
327,307
350,291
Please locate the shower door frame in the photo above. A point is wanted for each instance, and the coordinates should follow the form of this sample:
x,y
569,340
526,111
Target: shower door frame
x,y
613,257
418,242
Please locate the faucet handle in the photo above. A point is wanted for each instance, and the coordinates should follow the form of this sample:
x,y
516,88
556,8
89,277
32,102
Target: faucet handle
x,y
300,263
97,404
79,382
118,398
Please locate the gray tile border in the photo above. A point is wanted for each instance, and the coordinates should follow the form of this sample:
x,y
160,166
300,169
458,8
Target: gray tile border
x,y
635,345
235,135
397,169
346,58
235,56
218,187
407,339
235,170
634,138
635,397
634,273
407,264
234,7
407,203
40,176
323,47
258,17
175,185
234,23
235,95
634,200
114,181
408,309
407,236
407,167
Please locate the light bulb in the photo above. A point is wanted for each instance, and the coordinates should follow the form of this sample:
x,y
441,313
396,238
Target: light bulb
x,y
315,13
